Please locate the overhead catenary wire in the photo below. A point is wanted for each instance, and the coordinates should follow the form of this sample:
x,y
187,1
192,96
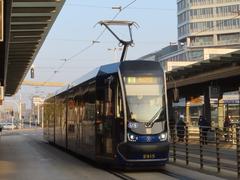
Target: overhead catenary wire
x,y
87,47
104,42
131,8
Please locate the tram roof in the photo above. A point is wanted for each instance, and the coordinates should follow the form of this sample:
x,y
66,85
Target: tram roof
x,y
99,71
222,66
105,69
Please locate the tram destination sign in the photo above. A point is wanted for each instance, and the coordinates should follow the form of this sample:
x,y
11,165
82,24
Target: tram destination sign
x,y
1,20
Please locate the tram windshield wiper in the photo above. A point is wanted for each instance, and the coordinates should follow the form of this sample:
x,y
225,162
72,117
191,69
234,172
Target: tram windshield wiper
x,y
154,118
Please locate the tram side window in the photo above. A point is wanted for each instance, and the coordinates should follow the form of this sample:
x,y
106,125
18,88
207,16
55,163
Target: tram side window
x,y
90,111
89,103
81,111
108,115
63,114
79,117
105,99
71,115
79,105
108,100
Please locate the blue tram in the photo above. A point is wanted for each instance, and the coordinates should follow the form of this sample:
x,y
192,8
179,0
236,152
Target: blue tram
x,y
114,115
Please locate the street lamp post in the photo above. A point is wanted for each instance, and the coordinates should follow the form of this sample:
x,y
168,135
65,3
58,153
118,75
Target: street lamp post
x,y
30,120
38,114
37,103
19,109
12,114
42,115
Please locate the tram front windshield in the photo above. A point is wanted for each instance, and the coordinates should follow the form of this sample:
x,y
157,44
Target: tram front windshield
x,y
145,98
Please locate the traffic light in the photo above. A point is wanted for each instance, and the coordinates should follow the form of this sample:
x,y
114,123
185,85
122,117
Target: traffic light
x,y
32,72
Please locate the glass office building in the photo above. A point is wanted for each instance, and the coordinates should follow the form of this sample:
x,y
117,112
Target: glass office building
x,y
208,23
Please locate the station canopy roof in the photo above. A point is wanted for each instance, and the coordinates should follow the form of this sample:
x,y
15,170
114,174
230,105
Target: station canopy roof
x,y
30,23
222,66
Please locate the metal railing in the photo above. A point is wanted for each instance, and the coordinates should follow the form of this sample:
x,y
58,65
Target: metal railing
x,y
208,147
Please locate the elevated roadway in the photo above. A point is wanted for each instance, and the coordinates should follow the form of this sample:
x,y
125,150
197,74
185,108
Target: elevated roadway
x,y
26,25
37,83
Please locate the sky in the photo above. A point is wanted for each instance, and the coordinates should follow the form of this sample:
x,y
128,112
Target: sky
x,y
74,30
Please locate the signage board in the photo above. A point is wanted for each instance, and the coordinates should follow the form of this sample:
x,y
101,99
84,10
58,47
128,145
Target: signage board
x,y
214,91
1,20
37,100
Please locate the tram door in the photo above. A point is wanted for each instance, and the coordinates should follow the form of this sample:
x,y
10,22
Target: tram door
x,y
105,116
118,130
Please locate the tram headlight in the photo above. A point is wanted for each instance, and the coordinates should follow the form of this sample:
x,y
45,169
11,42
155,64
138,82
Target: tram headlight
x,y
132,137
133,125
163,136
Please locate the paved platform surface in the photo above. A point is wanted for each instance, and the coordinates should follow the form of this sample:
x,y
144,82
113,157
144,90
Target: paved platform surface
x,y
24,155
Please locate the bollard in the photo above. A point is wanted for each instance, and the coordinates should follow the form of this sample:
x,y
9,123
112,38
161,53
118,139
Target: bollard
x,y
217,149
238,150
186,144
174,144
234,133
201,148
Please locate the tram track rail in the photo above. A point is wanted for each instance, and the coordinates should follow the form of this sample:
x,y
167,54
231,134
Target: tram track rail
x,y
121,175
174,175
124,176
35,141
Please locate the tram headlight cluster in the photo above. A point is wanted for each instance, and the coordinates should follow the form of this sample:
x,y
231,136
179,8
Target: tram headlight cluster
x,y
133,125
132,137
163,136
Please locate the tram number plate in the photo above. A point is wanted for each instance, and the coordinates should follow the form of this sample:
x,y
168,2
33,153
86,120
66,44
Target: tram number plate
x,y
149,156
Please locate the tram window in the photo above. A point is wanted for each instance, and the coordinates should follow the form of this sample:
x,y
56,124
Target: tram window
x,y
90,111
88,103
83,112
108,95
71,128
101,108
108,107
109,111
80,111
